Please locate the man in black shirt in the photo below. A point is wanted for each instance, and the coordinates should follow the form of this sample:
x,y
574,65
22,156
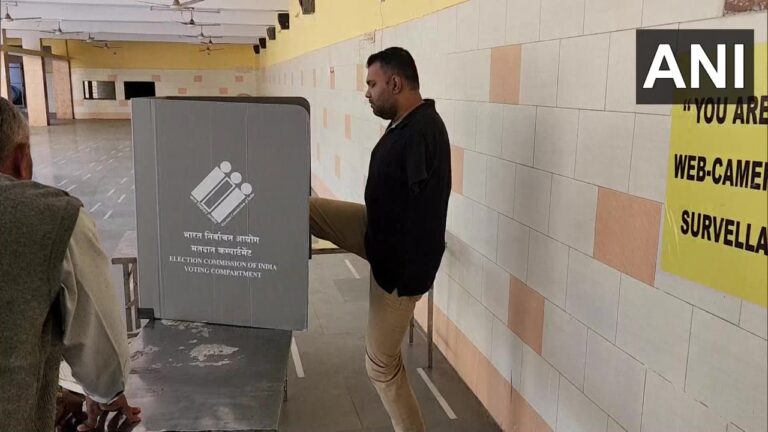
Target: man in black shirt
x,y
401,228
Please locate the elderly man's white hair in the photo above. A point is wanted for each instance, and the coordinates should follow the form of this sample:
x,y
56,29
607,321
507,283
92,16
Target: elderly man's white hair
x,y
13,129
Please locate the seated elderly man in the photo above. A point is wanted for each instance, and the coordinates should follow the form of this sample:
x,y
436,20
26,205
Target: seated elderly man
x,y
55,296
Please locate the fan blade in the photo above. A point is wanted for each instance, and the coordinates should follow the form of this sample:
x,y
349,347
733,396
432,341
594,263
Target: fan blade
x,y
207,10
190,3
153,3
160,8
114,47
207,24
28,19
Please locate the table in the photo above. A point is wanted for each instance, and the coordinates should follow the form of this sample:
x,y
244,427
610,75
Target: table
x,y
189,376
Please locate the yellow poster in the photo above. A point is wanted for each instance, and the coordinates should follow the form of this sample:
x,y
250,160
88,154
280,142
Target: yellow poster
x,y
715,226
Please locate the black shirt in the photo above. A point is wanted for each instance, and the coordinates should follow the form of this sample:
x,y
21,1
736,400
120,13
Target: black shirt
x,y
406,197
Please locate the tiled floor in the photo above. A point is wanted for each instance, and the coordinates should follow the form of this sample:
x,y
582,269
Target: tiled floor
x,y
93,159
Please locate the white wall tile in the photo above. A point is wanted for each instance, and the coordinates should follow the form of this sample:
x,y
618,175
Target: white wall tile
x,y
477,323
483,229
538,73
654,327
604,149
613,426
733,428
620,94
469,273
668,409
532,194
615,381
513,247
754,318
493,19
507,353
523,18
572,213
583,72
548,268
650,156
540,385
564,343
478,75
496,290
556,136
657,12
593,293
717,302
518,132
475,173
465,124
757,21
576,413
468,25
490,118
728,371
446,29
500,186
561,19
447,111
610,15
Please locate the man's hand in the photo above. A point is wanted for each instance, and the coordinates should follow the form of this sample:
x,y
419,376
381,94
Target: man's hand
x,y
125,418
69,410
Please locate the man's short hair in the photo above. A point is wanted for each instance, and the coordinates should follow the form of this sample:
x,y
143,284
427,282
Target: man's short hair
x,y
398,61
13,128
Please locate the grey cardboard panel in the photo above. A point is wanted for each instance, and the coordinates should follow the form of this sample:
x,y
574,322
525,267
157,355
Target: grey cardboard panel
x,y
232,227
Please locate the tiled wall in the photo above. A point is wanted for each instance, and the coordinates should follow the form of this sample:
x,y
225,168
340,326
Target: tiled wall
x,y
167,83
550,301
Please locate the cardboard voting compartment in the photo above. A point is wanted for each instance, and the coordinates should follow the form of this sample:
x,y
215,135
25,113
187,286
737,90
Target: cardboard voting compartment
x,y
222,211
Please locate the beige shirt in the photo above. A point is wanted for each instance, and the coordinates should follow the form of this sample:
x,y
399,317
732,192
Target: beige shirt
x,y
95,340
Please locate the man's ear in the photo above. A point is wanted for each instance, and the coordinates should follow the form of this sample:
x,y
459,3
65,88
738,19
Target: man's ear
x,y
23,162
397,84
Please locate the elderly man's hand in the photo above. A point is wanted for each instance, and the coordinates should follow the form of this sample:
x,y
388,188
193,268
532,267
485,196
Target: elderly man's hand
x,y
69,410
125,417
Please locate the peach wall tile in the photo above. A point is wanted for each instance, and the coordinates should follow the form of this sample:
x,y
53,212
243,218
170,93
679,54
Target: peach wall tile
x,y
78,103
457,169
505,74
223,91
157,78
337,166
239,78
103,115
112,77
325,118
182,90
124,103
347,126
522,417
467,358
62,88
321,188
627,233
493,390
361,76
526,314
198,78
333,78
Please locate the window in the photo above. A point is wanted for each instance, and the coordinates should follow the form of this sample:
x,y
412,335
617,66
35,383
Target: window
x,y
99,90
136,89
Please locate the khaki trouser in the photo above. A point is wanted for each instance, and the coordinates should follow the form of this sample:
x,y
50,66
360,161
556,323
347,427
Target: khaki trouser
x,y
343,224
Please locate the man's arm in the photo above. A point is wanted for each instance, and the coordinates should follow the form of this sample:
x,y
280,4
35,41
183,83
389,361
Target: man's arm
x,y
95,341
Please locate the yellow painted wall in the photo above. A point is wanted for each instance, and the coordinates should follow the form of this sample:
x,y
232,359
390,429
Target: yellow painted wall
x,y
338,20
154,55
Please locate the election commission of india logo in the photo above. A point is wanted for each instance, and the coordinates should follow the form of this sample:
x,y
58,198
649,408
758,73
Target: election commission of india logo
x,y
221,195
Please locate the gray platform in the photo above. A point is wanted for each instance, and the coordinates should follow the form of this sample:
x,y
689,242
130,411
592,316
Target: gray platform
x,y
181,386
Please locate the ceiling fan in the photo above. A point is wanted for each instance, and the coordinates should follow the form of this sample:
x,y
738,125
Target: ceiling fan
x,y
208,50
9,19
202,36
208,42
192,23
58,31
91,39
178,6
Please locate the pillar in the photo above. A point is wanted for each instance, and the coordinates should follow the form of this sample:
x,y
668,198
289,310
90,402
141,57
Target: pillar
x,y
62,88
5,79
34,84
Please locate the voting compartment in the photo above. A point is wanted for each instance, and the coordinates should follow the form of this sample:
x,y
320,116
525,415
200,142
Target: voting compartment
x,y
222,188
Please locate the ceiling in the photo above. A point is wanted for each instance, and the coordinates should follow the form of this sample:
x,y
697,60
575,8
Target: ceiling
x,y
242,21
